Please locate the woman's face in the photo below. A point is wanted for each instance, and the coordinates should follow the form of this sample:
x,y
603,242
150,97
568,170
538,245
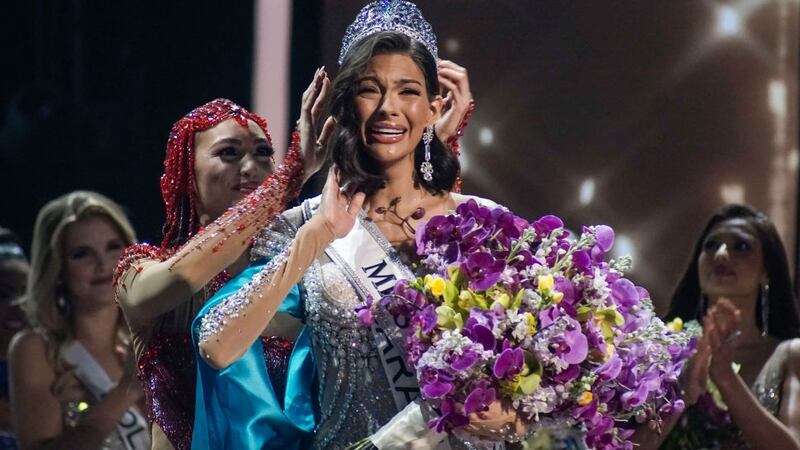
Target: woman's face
x,y
90,249
230,162
731,263
392,107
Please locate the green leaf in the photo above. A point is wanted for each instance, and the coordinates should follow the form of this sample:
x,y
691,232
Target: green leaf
x,y
450,292
518,299
528,384
456,276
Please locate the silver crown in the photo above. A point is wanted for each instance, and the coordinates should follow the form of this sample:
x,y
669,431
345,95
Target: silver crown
x,y
389,15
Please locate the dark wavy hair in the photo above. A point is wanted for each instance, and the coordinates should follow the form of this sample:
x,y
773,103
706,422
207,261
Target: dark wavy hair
x,y
783,320
358,169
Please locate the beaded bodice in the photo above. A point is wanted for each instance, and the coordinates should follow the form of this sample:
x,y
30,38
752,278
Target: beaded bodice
x,y
355,398
354,395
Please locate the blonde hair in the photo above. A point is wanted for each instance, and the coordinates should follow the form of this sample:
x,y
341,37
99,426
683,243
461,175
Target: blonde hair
x,y
41,297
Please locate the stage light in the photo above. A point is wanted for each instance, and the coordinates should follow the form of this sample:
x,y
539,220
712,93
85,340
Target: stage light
x,y
732,193
777,97
452,45
623,246
729,22
793,159
586,192
486,136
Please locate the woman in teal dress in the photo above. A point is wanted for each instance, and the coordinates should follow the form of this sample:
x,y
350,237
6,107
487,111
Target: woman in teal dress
x,y
242,406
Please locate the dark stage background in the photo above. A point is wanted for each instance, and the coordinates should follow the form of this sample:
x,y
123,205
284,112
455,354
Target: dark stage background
x,y
644,115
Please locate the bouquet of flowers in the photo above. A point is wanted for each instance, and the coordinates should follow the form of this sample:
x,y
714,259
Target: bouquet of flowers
x,y
523,314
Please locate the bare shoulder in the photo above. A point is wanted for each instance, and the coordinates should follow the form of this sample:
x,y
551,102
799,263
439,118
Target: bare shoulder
x,y
790,351
27,352
464,198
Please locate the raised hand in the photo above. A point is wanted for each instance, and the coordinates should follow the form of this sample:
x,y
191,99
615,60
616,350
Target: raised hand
x,y
457,100
720,325
694,378
314,133
339,210
499,423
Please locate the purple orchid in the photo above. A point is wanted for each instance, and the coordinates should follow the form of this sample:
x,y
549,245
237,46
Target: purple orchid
x,y
465,360
509,363
479,399
483,270
435,383
572,346
449,419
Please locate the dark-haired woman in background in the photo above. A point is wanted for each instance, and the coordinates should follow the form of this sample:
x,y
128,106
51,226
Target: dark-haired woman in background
x,y
738,284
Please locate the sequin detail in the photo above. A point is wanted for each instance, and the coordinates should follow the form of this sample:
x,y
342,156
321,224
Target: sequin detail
x,y
453,141
167,374
221,315
355,398
389,15
133,256
768,392
277,351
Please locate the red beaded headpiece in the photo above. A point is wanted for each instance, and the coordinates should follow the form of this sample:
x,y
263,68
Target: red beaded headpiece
x,y
178,186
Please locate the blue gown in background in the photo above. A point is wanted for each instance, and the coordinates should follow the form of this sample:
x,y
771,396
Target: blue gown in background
x,y
237,408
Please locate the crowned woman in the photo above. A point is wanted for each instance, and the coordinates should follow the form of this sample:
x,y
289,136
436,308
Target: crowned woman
x,y
393,171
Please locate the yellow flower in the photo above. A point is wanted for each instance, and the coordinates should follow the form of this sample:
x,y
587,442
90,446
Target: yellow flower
x,y
546,283
557,296
608,319
676,324
531,319
609,351
437,286
585,398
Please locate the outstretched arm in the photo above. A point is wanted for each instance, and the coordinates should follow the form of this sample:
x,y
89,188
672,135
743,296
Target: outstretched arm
x,y
230,328
150,283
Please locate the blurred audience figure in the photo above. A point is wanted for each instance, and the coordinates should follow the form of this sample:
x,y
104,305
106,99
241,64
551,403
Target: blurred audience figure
x,y
14,270
738,284
72,377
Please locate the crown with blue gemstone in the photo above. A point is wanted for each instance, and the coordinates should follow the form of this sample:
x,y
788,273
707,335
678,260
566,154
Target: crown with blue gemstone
x,y
389,15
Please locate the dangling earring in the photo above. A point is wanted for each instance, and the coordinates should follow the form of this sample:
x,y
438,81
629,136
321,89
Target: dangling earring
x,y
61,300
426,167
764,299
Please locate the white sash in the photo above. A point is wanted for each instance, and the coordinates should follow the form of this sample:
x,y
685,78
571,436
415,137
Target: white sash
x,y
373,267
132,427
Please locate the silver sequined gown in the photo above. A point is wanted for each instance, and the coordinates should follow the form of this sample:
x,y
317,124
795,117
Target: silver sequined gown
x,y
355,398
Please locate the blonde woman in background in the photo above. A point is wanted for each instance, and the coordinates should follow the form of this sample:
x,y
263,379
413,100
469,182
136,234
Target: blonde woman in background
x,y
72,379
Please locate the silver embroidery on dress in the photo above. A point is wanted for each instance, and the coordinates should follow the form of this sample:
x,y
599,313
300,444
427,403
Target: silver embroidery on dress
x,y
219,317
355,397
